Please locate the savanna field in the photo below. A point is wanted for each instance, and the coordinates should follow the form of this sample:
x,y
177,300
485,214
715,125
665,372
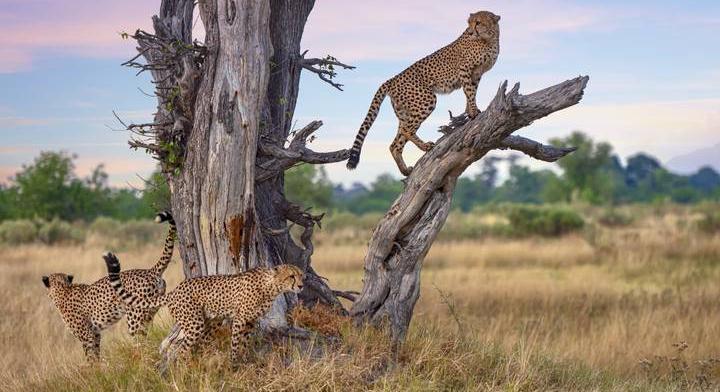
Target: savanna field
x,y
628,301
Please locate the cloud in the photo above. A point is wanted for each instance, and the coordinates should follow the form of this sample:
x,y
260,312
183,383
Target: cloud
x,y
664,129
12,122
87,28
406,29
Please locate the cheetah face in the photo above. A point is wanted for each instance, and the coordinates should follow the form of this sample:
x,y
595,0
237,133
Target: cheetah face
x,y
57,280
289,277
483,25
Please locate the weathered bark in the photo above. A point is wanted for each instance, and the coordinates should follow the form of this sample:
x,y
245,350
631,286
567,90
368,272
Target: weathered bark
x,y
404,235
225,109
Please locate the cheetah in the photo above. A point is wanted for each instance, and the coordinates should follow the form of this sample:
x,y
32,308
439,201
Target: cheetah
x,y
412,92
197,303
87,309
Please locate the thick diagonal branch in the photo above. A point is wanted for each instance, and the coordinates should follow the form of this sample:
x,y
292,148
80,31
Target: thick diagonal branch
x,y
404,235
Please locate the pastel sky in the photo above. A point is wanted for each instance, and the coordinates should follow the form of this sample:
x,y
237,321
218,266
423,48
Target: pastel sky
x,y
654,71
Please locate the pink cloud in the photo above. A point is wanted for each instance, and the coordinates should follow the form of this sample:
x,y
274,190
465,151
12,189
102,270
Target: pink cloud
x,y
406,28
88,28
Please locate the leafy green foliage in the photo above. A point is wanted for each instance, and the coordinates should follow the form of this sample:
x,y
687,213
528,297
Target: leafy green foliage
x,y
545,221
57,232
48,189
710,218
383,191
309,186
592,172
21,231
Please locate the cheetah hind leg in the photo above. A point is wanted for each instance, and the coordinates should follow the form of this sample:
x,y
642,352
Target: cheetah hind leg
x,y
138,321
396,149
411,120
193,328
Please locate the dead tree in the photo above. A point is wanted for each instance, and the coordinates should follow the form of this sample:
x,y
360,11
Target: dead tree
x,y
404,235
221,131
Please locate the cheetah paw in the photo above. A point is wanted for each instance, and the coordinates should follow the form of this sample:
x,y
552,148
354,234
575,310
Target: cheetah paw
x,y
428,146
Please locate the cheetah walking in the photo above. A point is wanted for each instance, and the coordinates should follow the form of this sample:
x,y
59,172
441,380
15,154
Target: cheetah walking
x,y
87,309
459,64
195,303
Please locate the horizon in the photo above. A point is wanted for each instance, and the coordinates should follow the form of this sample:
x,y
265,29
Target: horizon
x,y
651,89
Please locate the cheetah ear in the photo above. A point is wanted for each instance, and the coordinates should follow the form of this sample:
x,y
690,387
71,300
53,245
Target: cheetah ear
x,y
46,281
496,17
70,278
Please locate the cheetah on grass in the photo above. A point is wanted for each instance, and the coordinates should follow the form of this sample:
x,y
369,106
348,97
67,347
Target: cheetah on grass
x,y
87,309
242,297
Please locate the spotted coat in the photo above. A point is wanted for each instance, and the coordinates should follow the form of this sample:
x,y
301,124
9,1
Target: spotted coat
x,y
87,309
412,92
197,303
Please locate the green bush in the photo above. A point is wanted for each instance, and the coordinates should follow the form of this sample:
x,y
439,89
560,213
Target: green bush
x,y
20,231
117,234
344,220
104,226
59,232
545,221
614,218
710,218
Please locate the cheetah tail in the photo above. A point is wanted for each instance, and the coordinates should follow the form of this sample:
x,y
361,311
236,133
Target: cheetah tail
x,y
130,299
365,127
162,264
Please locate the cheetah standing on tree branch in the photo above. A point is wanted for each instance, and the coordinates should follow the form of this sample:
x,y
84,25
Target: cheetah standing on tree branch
x,y
460,64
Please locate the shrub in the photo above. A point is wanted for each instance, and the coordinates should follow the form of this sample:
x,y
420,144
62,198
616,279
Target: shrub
x,y
57,232
709,222
117,234
15,232
545,221
615,218
344,220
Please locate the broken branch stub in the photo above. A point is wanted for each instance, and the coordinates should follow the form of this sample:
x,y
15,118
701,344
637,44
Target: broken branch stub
x,y
404,235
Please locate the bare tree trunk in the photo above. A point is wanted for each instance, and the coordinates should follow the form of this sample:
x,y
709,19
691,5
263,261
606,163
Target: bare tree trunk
x,y
404,235
224,115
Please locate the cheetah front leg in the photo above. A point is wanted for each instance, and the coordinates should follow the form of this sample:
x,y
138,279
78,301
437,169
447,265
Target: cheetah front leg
x,y
240,331
470,90
89,336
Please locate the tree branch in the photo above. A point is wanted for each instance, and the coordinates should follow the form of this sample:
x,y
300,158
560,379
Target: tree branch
x,y
392,274
296,152
535,149
527,146
324,68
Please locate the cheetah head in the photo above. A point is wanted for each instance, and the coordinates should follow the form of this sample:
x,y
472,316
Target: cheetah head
x,y
483,25
289,278
57,280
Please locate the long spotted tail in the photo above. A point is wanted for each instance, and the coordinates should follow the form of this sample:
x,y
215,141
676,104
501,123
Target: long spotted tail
x,y
365,127
133,301
162,264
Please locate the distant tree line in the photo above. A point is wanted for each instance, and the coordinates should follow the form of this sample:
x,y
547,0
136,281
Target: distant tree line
x,y
592,174
49,188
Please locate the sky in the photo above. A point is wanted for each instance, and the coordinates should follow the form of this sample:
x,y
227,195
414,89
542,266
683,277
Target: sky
x,y
654,71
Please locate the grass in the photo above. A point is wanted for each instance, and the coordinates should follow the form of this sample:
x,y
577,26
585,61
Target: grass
x,y
617,307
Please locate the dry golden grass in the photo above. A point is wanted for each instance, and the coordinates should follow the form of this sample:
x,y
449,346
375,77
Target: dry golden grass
x,y
597,311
